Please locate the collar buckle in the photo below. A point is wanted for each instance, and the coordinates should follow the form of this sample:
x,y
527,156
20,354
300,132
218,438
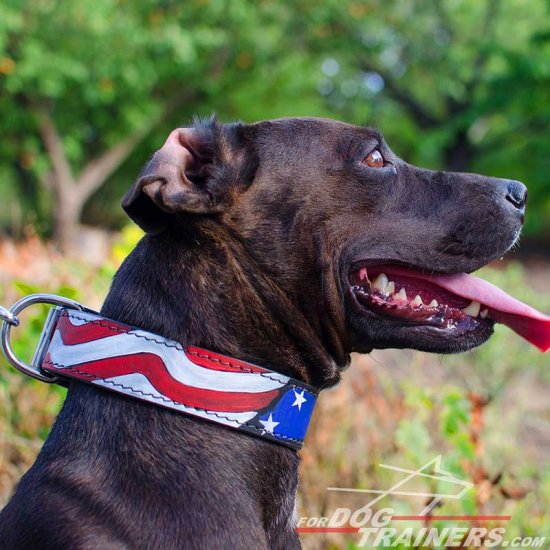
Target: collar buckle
x,y
10,319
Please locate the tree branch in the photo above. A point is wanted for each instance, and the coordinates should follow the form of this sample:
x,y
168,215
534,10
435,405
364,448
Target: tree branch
x,y
422,117
101,167
63,175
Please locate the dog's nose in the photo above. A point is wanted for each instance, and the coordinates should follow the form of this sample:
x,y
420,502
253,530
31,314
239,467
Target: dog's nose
x,y
517,194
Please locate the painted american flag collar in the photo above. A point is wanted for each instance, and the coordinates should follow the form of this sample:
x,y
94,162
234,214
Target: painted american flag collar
x,y
80,344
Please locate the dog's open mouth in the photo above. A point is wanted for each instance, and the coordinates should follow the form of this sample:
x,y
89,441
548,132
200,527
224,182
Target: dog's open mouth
x,y
459,301
413,300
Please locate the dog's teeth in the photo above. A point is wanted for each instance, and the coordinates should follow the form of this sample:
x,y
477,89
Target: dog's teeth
x,y
434,303
380,283
390,288
402,295
483,314
473,309
363,274
417,301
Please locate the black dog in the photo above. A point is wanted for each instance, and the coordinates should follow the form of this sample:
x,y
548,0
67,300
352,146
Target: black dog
x,y
265,242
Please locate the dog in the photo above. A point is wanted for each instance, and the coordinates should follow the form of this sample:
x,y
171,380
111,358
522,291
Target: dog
x,y
276,243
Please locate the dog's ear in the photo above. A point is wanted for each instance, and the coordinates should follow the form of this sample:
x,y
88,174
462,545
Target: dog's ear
x,y
177,179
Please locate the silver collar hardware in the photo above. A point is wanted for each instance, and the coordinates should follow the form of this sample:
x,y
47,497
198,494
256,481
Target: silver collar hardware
x,y
8,317
9,320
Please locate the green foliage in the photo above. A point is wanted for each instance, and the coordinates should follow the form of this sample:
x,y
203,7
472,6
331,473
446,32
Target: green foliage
x,y
469,77
126,242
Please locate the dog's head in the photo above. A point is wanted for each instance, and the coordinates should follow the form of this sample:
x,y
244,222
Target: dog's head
x,y
353,234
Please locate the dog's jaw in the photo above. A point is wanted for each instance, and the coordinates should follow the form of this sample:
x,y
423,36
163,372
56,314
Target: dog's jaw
x,y
385,298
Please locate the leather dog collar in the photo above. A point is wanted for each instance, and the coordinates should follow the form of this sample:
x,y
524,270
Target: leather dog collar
x,y
84,346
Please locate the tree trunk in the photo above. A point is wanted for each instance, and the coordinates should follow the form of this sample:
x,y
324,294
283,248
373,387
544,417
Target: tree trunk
x,y
458,156
67,212
72,191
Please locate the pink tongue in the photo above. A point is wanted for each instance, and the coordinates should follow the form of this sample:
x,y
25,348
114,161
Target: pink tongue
x,y
526,321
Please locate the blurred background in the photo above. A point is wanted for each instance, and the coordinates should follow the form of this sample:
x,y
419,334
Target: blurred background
x,y
90,88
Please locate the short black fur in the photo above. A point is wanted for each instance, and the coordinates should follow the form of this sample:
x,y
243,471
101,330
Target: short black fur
x,y
248,250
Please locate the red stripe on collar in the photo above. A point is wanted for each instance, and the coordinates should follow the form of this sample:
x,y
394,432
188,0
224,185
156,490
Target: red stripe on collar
x,y
89,348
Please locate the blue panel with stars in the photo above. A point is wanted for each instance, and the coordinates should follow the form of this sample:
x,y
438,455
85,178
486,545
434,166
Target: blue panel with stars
x,y
289,419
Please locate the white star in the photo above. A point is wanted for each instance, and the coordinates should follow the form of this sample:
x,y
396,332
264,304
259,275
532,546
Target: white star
x,y
269,424
300,399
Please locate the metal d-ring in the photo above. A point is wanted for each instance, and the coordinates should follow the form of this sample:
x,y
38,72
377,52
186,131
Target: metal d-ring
x,y
10,319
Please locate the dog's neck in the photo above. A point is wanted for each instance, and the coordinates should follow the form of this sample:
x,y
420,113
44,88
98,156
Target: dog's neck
x,y
204,292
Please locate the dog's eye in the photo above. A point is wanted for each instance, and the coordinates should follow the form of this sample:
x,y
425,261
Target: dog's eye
x,y
374,159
